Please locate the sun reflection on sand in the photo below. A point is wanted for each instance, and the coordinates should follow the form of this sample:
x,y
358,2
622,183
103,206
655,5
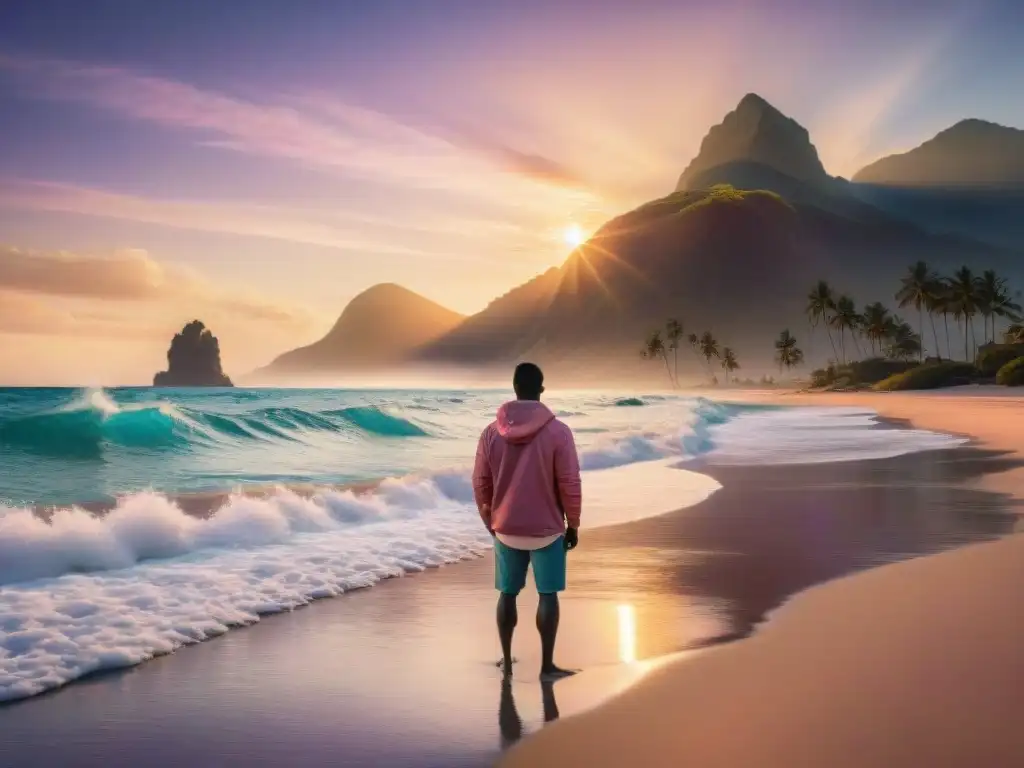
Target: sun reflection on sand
x,y
627,633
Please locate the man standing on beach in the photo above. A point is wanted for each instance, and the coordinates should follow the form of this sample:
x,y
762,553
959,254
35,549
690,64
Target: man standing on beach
x,y
527,487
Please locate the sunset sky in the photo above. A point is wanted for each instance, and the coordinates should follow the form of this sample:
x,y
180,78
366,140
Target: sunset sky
x,y
257,164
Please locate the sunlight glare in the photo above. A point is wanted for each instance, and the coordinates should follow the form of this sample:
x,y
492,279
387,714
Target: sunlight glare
x,y
627,634
574,235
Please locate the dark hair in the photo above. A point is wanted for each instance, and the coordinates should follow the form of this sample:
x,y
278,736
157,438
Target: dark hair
x,y
528,381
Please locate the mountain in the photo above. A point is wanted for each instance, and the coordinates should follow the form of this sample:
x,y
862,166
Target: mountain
x,y
501,325
967,180
379,327
754,222
737,262
193,360
992,216
757,147
972,153
754,138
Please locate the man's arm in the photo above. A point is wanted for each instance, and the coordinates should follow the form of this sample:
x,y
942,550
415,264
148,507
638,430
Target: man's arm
x,y
483,481
567,478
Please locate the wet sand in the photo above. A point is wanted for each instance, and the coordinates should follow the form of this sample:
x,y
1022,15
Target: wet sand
x,y
402,674
916,663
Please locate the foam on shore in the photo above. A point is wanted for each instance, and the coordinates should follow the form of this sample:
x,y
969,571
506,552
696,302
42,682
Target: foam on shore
x,y
254,557
84,592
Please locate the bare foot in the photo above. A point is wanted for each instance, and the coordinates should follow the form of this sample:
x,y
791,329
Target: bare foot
x,y
505,665
553,673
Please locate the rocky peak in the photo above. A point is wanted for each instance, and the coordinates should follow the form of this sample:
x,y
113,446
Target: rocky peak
x,y
755,132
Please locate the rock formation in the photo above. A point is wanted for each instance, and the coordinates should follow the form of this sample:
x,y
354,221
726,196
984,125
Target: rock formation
x,y
754,136
193,360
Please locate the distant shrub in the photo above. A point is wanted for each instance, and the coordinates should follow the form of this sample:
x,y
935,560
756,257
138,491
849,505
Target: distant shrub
x,y
950,374
859,373
823,377
992,357
727,193
875,369
1012,374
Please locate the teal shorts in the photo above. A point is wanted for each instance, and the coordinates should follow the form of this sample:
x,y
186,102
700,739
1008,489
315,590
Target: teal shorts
x,y
510,566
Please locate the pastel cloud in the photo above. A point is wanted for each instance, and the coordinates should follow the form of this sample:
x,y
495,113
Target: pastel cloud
x,y
351,230
225,217
128,274
122,276
312,129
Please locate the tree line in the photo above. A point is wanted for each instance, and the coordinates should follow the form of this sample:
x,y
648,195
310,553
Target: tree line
x,y
664,344
962,296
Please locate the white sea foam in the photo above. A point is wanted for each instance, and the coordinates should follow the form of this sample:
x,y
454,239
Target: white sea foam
x,y
253,557
83,593
817,435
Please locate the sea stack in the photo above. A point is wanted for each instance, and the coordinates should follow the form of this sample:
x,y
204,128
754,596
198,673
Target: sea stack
x,y
193,360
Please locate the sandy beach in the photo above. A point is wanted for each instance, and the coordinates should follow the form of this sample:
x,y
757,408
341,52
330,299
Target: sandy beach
x,y
915,663
402,674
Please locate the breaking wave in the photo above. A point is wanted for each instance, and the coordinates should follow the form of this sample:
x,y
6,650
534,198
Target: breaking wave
x,y
95,422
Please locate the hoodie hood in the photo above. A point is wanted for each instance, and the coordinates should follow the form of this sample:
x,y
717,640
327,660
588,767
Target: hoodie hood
x,y
519,421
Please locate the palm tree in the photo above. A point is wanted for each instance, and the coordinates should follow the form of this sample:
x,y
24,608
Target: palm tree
x,y
1014,334
904,343
845,318
673,336
708,346
694,341
1007,308
787,354
942,304
963,295
987,288
820,305
875,323
935,305
654,348
994,301
729,363
917,288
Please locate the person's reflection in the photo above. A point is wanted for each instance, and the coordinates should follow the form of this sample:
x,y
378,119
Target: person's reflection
x,y
547,692
509,722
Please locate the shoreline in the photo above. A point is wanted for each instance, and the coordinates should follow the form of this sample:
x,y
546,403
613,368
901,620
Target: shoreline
x,y
359,676
940,410
402,674
820,655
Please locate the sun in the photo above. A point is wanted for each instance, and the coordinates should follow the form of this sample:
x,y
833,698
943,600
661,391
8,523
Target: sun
x,y
573,235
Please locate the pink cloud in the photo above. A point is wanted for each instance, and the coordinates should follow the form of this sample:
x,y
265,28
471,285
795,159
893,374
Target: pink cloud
x,y
123,276
311,129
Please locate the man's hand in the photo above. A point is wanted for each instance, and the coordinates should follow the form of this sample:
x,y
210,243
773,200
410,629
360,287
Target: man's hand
x,y
572,538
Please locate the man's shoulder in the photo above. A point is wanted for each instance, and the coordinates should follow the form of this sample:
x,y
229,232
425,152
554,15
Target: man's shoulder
x,y
560,428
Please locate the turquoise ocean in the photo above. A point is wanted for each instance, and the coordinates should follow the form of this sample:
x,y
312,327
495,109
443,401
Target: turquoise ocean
x,y
83,591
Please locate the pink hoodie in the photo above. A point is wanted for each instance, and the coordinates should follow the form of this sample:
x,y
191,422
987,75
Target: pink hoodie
x,y
527,474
